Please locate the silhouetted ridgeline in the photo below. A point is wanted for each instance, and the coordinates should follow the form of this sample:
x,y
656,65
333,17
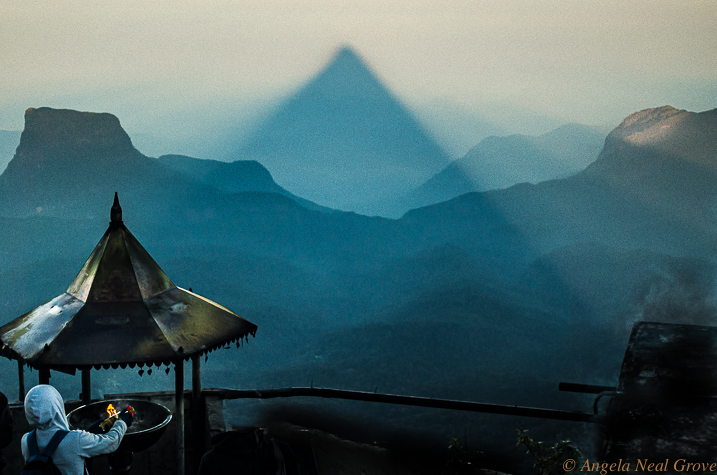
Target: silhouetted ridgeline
x,y
500,162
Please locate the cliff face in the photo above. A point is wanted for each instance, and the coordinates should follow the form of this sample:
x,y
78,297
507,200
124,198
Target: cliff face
x,y
648,125
666,160
652,139
70,129
59,138
68,160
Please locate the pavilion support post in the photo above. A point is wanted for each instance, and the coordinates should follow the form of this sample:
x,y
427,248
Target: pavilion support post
x,y
44,375
198,432
179,410
21,379
86,386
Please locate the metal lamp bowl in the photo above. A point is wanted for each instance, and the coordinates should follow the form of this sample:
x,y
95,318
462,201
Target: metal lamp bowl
x,y
150,421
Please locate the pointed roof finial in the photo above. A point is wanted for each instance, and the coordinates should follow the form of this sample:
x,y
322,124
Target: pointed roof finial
x,y
116,211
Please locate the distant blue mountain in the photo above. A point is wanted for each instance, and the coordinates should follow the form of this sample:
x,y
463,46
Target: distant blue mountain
x,y
344,141
500,162
652,187
235,177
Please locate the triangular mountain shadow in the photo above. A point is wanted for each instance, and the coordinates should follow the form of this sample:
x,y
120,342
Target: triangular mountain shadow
x,y
344,140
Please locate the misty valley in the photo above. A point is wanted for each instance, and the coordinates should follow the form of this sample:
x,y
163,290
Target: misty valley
x,y
370,260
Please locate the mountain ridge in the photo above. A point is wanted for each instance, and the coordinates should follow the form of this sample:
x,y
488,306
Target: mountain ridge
x,y
231,177
630,197
68,162
52,131
499,162
669,132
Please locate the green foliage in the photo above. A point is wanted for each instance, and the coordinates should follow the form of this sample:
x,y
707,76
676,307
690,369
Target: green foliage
x,y
550,460
461,458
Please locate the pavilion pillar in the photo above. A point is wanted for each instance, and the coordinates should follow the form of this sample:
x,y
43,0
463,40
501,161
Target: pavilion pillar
x,y
44,375
21,379
86,397
179,410
198,425
86,387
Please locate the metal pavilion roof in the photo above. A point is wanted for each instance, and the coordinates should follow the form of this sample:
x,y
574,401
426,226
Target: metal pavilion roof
x,y
121,309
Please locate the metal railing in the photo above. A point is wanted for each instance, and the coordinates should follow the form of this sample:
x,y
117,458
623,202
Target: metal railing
x,y
557,414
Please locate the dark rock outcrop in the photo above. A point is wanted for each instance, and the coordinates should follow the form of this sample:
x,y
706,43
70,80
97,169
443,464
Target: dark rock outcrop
x,y
68,163
58,132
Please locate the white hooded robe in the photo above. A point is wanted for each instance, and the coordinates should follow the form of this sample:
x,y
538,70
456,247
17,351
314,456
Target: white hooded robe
x,y
45,412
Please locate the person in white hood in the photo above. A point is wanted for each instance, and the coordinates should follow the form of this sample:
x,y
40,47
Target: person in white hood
x,y
45,412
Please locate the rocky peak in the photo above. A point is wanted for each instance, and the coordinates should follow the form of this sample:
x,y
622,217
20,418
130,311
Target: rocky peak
x,y
649,125
68,158
650,116
653,147
665,132
61,130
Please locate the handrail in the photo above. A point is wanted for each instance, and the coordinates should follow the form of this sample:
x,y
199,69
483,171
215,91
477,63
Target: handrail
x,y
585,388
557,414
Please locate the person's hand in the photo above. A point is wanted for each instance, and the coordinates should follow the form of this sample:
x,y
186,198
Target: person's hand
x,y
127,416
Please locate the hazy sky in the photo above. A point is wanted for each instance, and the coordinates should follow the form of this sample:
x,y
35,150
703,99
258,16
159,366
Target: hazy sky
x,y
149,61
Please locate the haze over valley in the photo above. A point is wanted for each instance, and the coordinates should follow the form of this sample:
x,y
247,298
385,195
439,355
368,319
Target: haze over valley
x,y
384,238
506,280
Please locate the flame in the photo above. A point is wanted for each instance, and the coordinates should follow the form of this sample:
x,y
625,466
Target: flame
x,y
111,411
